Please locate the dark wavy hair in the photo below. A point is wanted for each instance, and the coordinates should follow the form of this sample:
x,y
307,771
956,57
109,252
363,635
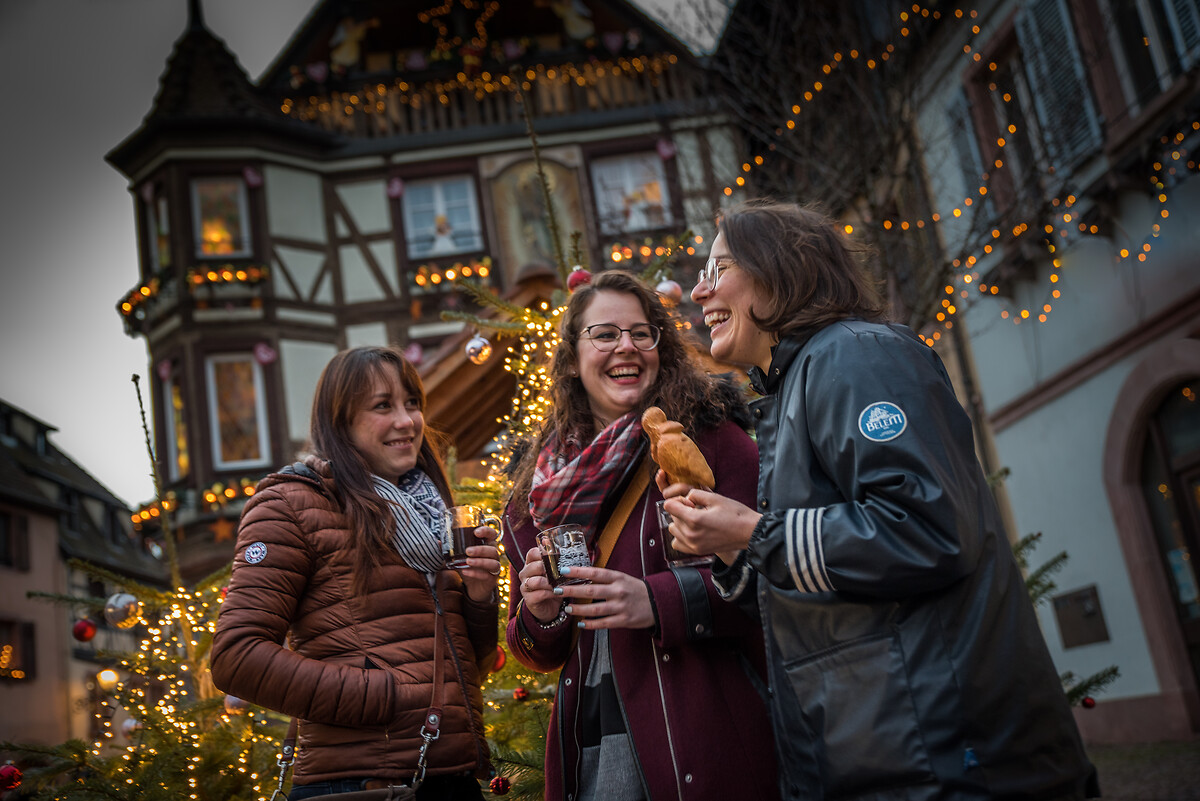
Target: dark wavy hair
x,y
802,263
681,389
342,392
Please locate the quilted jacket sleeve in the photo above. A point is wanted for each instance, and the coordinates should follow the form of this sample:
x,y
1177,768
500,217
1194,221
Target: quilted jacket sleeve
x,y
248,659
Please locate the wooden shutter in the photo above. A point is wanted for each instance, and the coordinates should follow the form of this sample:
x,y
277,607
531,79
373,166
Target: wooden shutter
x,y
1058,79
966,147
1187,30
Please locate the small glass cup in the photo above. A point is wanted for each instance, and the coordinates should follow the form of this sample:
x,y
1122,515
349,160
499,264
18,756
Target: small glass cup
x,y
676,558
458,533
564,546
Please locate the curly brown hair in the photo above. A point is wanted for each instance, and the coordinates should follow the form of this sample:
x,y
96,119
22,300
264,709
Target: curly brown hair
x,y
342,391
682,390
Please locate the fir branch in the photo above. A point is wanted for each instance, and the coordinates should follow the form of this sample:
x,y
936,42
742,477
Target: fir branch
x,y
502,326
1078,689
485,295
89,601
144,592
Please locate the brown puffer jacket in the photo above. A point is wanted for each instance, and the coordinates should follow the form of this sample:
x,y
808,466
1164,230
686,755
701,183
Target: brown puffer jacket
x,y
359,671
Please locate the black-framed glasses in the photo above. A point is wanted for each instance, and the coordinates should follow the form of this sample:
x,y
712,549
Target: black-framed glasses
x,y
711,272
606,336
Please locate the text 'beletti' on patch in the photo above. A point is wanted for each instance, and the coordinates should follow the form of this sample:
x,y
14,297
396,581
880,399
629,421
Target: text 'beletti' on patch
x,y
882,421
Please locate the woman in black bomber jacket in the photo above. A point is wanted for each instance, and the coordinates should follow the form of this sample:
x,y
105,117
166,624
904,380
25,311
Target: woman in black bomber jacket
x,y
905,658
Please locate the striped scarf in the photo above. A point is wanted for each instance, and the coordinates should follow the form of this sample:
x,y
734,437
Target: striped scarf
x,y
570,483
418,509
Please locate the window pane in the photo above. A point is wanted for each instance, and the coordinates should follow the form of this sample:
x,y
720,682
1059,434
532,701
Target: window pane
x,y
441,218
220,214
631,193
238,411
177,438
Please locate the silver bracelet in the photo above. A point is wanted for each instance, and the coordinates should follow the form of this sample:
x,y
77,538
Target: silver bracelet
x,y
558,621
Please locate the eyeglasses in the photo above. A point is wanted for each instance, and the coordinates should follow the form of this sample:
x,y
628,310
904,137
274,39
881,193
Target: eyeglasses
x,y
712,271
606,336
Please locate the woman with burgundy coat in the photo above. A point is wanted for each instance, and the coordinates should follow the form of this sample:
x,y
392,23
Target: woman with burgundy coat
x,y
660,693
342,554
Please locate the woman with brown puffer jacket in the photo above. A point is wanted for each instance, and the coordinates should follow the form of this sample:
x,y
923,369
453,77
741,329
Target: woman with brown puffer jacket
x,y
342,553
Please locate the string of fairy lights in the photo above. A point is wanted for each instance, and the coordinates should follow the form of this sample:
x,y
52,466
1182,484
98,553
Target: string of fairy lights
x,y
165,680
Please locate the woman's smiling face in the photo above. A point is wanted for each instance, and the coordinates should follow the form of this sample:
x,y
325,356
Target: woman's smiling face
x,y
615,381
736,338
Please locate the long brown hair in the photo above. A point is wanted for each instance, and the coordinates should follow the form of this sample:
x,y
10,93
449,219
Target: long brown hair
x,y
803,264
681,389
342,392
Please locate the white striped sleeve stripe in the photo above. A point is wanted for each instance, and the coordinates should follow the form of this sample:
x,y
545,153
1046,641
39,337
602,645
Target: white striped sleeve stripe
x,y
743,579
805,557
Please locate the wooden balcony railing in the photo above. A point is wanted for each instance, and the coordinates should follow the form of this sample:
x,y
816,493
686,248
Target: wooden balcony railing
x,y
464,102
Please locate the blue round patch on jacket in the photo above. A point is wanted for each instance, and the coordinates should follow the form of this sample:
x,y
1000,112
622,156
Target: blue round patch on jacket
x,y
882,421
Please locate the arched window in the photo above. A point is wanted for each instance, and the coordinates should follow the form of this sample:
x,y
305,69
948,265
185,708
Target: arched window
x,y
1171,486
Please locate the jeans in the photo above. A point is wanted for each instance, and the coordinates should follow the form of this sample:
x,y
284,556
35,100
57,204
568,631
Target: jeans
x,y
456,787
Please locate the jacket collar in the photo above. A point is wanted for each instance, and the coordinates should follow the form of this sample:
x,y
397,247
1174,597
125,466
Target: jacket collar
x,y
782,356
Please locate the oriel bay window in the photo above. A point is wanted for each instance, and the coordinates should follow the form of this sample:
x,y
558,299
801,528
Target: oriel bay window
x,y
237,412
220,216
631,193
441,217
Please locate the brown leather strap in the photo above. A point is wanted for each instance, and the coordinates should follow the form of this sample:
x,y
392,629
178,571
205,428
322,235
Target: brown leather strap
x,y
616,521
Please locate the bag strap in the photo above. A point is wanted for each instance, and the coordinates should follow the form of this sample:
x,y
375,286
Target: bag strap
x,y
430,729
616,521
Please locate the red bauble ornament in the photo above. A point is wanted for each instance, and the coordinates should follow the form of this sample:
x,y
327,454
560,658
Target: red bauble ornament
x,y
224,592
578,278
520,694
500,785
501,658
10,777
84,630
1088,702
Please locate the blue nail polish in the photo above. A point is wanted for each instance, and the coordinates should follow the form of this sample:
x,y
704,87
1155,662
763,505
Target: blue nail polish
x,y
568,609
565,571
558,590
581,625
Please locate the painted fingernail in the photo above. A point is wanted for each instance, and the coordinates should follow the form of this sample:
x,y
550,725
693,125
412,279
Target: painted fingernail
x,y
581,624
564,571
558,590
570,610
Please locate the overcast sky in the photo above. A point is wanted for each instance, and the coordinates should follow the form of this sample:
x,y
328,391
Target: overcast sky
x,y
82,75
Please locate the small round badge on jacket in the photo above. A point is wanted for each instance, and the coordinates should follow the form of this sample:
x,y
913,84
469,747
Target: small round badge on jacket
x,y
882,421
256,552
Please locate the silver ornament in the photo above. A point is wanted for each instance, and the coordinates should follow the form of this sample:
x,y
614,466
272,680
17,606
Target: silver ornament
x,y
123,610
479,350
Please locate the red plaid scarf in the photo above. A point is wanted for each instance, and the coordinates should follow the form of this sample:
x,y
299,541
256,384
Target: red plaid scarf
x,y
570,483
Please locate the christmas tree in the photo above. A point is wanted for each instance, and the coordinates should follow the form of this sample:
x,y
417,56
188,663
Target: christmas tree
x,y
180,738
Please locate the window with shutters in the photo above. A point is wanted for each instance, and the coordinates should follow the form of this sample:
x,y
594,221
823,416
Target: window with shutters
x,y
1156,41
14,541
1029,104
16,651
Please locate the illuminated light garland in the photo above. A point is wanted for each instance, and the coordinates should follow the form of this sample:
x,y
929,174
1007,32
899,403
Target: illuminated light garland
x,y
375,99
150,511
220,494
430,275
648,248
139,295
227,274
